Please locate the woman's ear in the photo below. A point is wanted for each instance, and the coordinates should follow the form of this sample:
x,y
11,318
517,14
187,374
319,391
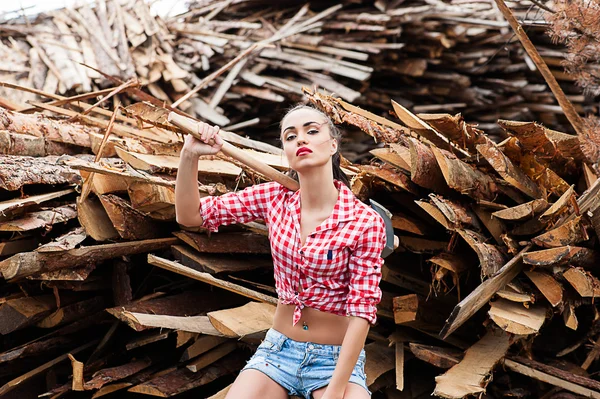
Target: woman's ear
x,y
334,146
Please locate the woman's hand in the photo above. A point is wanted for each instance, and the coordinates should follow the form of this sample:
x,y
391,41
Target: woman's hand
x,y
193,146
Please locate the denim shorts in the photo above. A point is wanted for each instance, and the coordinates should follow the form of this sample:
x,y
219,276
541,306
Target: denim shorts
x,y
301,367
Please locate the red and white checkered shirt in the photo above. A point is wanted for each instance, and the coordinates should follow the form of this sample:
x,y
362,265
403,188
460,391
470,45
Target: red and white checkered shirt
x,y
339,266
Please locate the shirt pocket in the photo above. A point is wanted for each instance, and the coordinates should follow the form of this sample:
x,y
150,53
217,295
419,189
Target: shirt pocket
x,y
326,262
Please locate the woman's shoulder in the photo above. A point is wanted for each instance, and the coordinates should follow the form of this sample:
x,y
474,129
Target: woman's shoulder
x,y
366,216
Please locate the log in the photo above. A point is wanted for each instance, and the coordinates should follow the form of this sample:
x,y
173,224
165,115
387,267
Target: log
x,y
18,171
45,127
28,263
41,219
552,375
424,169
185,304
380,359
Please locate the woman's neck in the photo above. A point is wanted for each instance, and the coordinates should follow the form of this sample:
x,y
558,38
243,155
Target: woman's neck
x,y
318,190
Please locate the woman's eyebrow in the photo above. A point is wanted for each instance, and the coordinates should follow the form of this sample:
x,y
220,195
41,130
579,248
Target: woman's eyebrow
x,y
306,124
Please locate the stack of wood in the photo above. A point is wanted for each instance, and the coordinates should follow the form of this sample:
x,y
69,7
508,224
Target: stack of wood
x,y
457,56
102,291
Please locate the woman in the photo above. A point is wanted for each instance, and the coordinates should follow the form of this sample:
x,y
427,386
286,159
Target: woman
x,y
326,247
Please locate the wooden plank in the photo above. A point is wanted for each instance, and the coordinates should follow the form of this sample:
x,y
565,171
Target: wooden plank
x,y
207,278
17,206
215,264
203,344
556,378
470,376
230,243
211,356
40,219
548,286
252,318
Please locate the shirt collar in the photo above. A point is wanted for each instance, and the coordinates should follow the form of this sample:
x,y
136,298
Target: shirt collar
x,y
343,210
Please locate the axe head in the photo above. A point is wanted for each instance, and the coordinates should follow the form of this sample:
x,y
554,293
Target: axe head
x,y
389,230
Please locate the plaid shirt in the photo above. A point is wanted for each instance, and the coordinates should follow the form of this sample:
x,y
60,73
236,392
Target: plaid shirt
x,y
339,266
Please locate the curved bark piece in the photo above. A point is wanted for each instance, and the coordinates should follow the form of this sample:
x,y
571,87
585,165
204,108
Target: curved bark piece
x,y
577,256
464,178
521,212
424,169
570,233
505,168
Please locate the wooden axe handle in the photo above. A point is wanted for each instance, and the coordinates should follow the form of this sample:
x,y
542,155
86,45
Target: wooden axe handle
x,y
191,127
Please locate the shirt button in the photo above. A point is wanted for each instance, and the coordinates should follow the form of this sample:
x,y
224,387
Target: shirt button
x,y
296,292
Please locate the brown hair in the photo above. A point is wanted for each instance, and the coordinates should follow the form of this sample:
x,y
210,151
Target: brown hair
x,y
335,134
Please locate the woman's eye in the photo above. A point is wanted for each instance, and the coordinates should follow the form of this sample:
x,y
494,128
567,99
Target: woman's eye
x,y
313,131
290,137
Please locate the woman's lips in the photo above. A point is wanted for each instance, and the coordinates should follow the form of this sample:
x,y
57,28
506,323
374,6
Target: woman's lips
x,y
303,150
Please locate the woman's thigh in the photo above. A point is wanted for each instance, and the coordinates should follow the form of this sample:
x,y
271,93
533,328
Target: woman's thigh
x,y
253,384
353,391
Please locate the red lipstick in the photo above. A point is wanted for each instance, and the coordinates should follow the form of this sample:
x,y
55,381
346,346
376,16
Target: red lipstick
x,y
303,150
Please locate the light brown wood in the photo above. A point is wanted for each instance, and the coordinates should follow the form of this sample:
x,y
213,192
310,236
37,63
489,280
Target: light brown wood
x,y
516,318
470,376
211,356
252,318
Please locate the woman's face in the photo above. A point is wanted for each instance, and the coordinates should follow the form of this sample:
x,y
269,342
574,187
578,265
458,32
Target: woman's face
x,y
306,139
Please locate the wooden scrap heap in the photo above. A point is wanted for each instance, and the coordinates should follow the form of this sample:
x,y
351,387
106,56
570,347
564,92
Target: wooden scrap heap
x,y
490,293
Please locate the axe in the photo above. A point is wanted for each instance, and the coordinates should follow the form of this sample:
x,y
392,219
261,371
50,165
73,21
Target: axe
x,y
191,126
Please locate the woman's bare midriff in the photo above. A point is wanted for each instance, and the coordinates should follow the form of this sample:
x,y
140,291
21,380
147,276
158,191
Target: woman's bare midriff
x,y
323,327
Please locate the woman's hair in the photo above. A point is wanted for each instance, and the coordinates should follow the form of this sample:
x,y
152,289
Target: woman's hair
x,y
335,134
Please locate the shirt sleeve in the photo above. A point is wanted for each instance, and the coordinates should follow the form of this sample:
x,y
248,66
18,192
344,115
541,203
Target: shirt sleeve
x,y
241,206
365,272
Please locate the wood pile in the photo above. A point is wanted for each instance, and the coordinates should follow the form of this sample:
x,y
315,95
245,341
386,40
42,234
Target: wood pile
x,y
455,56
102,291
490,293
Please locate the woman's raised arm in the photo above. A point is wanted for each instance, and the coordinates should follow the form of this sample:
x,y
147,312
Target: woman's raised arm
x,y
187,197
